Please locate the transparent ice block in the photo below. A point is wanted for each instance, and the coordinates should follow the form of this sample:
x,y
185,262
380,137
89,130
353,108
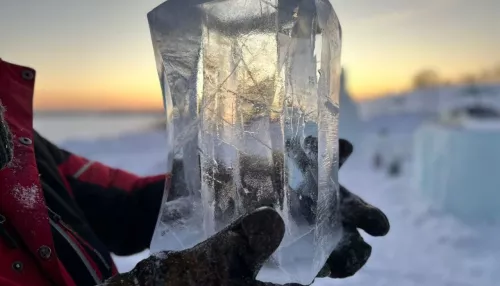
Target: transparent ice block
x,y
250,89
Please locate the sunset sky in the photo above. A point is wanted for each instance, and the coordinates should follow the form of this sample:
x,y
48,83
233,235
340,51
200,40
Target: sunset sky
x,y
97,54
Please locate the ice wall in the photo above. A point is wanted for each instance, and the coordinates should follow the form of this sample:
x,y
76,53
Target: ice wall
x,y
458,169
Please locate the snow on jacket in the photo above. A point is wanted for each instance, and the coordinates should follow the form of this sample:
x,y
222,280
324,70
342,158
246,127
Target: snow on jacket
x,y
60,214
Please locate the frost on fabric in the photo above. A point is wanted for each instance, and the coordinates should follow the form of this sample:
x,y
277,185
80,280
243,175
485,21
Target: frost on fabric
x,y
27,196
14,164
162,255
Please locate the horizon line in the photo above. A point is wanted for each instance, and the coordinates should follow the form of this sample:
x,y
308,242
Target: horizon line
x,y
92,110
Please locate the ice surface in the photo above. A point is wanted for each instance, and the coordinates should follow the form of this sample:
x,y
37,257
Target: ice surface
x,y
251,95
456,167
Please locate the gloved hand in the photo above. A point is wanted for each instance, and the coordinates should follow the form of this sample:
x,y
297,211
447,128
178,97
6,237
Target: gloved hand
x,y
231,257
234,256
6,147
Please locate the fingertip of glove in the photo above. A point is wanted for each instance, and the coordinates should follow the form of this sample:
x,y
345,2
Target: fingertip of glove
x,y
348,260
345,146
376,223
263,228
363,215
385,226
257,236
345,150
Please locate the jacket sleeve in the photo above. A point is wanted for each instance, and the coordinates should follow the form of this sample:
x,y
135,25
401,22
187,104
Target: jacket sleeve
x,y
122,208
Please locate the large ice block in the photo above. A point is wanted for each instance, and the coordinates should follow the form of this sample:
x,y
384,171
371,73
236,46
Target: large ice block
x,y
456,167
251,97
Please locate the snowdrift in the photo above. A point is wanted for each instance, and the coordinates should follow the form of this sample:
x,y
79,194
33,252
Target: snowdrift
x,y
456,167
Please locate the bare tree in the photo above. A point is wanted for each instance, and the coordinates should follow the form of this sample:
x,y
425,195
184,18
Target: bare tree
x,y
426,78
470,79
496,73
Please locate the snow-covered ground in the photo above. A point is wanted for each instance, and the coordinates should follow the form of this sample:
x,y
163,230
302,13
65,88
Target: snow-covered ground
x,y
432,100
425,246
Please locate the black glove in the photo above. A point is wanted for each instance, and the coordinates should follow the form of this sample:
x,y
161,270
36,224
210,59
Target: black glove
x,y
233,256
352,251
6,147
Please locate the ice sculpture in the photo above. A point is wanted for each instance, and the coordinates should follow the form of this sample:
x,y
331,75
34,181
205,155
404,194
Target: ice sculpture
x,y
250,90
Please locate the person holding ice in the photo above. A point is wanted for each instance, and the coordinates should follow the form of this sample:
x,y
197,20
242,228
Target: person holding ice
x,y
61,216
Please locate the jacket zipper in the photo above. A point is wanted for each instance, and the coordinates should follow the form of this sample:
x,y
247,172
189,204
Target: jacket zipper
x,y
77,250
82,241
57,219
11,242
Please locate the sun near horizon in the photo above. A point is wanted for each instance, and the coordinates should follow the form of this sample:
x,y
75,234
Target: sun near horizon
x,y
98,55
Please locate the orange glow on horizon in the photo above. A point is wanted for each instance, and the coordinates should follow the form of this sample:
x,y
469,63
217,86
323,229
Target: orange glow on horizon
x,y
104,101
106,61
149,99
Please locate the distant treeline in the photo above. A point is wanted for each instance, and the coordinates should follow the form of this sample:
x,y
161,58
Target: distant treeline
x,y
431,78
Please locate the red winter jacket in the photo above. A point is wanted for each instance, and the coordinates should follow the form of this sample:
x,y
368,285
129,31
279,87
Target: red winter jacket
x,y
60,214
